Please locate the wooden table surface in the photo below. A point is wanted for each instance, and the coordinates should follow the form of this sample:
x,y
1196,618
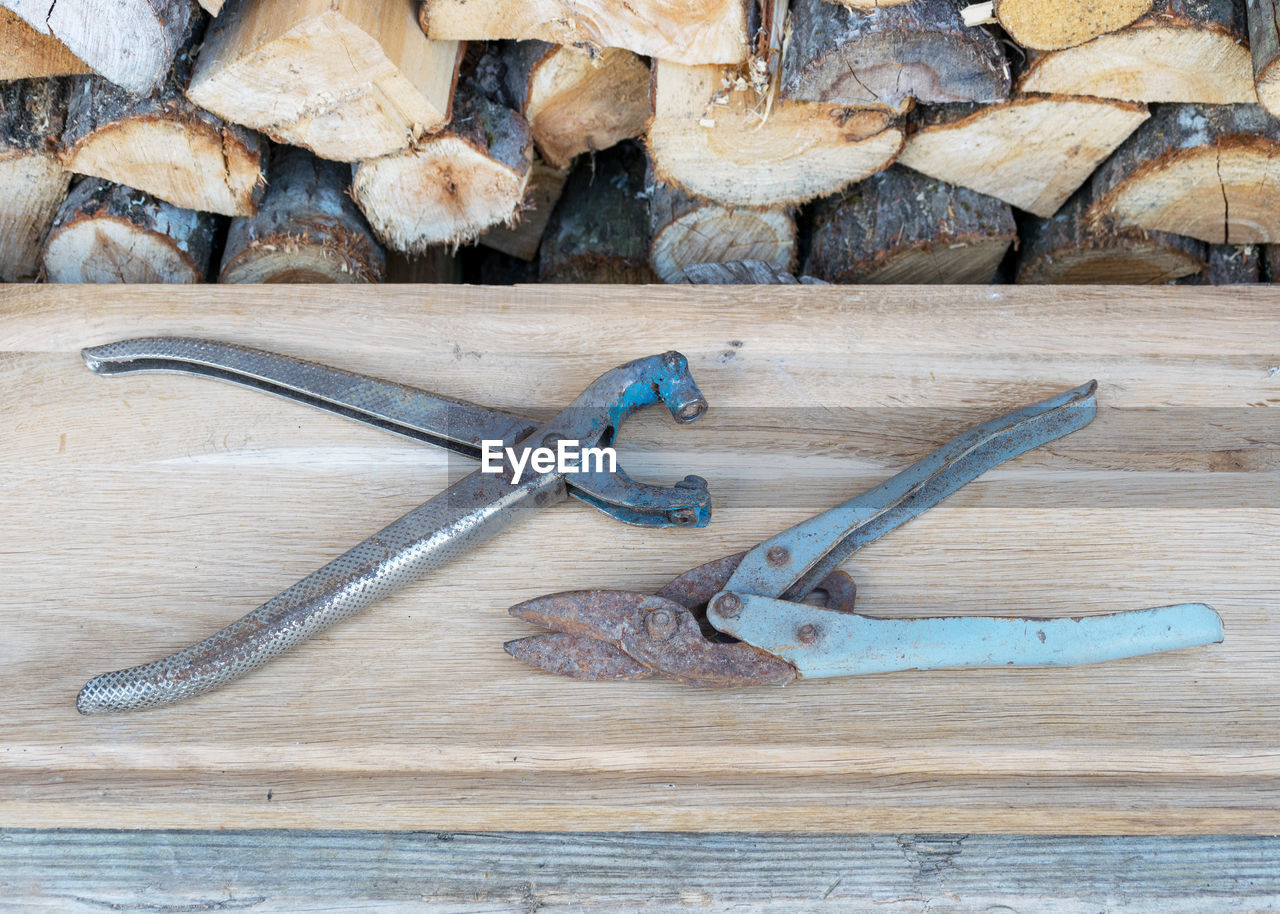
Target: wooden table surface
x,y
142,513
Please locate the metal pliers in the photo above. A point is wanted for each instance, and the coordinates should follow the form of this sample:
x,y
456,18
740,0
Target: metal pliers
x,y
461,517
741,620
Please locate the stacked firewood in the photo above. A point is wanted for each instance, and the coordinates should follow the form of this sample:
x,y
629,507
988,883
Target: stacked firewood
x,y
859,141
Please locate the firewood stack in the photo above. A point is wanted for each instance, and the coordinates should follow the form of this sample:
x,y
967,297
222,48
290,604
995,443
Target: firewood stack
x,y
633,141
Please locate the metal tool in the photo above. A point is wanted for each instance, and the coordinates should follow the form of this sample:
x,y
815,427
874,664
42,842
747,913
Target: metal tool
x,y
461,517
741,620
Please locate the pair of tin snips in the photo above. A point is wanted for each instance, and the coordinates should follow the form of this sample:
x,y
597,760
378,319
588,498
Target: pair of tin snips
x,y
738,621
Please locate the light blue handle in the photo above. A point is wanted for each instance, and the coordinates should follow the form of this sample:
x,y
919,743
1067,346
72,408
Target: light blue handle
x,y
820,643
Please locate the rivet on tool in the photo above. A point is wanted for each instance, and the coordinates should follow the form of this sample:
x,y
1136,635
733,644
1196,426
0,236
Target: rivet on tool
x,y
661,624
808,633
778,555
729,606
683,517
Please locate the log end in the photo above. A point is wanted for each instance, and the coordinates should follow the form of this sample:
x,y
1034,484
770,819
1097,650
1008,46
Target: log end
x,y
1049,25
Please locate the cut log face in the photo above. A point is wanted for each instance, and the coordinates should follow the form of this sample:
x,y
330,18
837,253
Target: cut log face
x,y
576,100
28,54
307,229
687,31
163,144
1048,25
745,273
920,50
130,42
599,232
1211,172
347,79
32,183
108,233
453,185
1071,248
1182,51
730,146
1031,151
212,7
689,231
522,238
902,227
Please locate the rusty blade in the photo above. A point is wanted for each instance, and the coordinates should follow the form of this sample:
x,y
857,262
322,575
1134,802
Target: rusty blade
x,y
577,656
656,632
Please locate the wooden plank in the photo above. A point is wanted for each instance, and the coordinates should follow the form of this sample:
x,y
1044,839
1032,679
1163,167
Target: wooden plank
x,y
79,872
142,513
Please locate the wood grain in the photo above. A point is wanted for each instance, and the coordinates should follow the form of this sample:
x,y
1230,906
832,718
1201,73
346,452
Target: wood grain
x,y
144,512
285,872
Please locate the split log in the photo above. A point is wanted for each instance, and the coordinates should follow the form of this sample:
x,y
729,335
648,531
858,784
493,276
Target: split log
x,y
32,183
435,265
306,230
892,54
718,138
163,144
687,31
1208,171
28,54
452,185
1264,43
903,227
1048,25
1032,151
347,79
689,231
745,273
599,232
575,100
105,232
1181,51
522,238
1069,248
130,42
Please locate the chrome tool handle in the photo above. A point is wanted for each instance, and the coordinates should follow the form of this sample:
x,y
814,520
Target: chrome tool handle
x,y
792,563
458,519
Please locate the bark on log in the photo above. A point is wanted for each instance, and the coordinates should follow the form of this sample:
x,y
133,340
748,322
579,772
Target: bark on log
x,y
436,265
32,183
1264,43
163,144
728,144
347,79
452,185
105,232
890,55
599,232
1032,151
1208,171
575,100
306,230
1048,25
688,31
745,273
28,54
1069,248
1230,265
1181,51
689,231
903,227
522,238
130,42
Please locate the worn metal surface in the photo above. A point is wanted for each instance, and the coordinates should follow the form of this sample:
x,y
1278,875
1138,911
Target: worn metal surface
x,y
659,634
467,513
821,643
